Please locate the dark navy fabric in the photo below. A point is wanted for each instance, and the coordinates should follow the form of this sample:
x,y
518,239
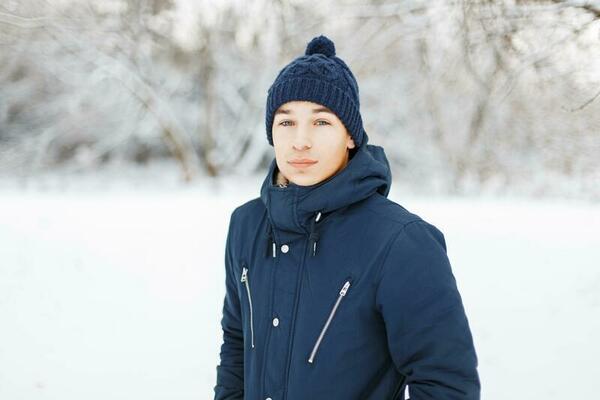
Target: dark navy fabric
x,y
401,320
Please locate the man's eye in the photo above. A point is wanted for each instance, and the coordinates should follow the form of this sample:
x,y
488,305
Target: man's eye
x,y
320,122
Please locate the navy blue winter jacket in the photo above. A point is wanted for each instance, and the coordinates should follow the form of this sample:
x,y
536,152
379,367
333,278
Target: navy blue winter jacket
x,y
335,292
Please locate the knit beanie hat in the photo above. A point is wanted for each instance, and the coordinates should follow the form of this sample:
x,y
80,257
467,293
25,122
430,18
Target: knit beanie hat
x,y
321,77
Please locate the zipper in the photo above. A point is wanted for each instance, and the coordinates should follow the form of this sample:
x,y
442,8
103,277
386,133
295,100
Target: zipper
x,y
331,314
294,318
245,280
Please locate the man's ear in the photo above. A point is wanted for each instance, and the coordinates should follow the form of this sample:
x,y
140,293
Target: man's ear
x,y
351,144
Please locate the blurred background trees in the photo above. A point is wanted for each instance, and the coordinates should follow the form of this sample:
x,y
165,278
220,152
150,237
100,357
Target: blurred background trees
x,y
463,95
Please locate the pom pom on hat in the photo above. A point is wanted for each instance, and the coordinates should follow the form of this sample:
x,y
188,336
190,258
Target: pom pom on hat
x,y
321,44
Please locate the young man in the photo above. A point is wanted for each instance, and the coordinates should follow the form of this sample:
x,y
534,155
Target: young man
x,y
333,291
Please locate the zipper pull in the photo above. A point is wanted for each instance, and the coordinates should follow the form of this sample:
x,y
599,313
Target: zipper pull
x,y
345,288
244,274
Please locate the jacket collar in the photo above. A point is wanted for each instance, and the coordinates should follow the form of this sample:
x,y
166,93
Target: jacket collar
x,y
296,208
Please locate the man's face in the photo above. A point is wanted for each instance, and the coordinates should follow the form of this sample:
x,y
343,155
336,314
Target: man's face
x,y
310,132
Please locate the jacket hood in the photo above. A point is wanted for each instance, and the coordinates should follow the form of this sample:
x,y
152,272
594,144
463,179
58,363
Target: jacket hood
x,y
298,209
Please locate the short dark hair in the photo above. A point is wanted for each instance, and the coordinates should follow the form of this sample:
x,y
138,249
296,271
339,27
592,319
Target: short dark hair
x,y
352,152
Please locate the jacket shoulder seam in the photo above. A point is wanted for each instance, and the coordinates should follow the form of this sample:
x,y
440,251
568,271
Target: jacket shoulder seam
x,y
391,242
409,214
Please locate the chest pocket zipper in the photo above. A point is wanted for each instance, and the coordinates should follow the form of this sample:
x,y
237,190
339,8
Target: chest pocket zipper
x,y
326,326
245,280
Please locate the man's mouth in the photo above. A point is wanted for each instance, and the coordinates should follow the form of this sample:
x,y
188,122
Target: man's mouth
x,y
302,162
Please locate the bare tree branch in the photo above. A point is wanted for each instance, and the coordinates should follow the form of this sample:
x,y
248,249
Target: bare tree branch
x,y
22,22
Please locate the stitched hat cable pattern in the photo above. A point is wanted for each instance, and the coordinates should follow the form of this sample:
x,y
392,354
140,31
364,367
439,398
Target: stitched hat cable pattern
x,y
321,77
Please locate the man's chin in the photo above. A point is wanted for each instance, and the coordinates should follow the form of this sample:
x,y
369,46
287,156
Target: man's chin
x,y
304,179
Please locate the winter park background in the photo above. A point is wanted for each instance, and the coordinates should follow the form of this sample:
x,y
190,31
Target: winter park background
x,y
129,131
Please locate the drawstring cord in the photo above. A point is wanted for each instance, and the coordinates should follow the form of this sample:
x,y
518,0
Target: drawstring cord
x,y
270,240
313,237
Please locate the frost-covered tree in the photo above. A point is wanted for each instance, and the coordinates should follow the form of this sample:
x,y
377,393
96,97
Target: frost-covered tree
x,y
462,95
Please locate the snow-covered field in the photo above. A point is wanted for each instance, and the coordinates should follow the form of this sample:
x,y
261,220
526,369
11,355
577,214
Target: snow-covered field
x,y
115,292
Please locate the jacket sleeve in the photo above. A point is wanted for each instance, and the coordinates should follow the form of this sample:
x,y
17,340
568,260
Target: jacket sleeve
x,y
427,329
230,371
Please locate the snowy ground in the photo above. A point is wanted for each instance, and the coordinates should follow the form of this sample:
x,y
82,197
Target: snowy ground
x,y
115,291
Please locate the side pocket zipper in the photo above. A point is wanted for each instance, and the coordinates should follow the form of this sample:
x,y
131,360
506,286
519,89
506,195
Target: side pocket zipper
x,y
245,280
326,326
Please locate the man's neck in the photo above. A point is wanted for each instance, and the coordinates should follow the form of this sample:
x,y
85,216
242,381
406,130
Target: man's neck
x,y
281,180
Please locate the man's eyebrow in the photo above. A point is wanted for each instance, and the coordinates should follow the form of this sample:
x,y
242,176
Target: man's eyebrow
x,y
322,109
315,110
282,111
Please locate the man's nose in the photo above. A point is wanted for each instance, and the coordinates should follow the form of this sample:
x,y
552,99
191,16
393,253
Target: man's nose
x,y
302,139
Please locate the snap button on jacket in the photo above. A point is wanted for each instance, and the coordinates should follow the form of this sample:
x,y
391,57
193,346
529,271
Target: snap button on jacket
x,y
334,291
